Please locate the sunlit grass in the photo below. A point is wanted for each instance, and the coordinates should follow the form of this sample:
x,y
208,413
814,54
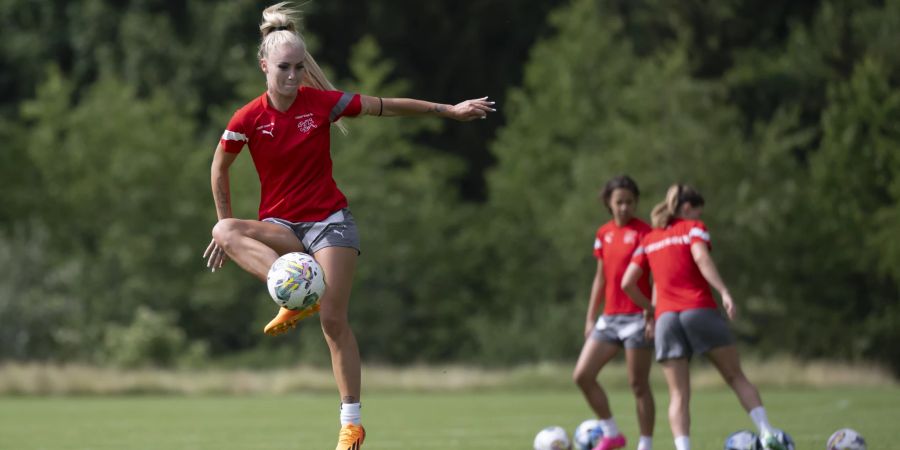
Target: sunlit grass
x,y
488,419
42,379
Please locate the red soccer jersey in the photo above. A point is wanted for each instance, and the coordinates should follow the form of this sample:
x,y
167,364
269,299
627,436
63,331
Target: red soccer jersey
x,y
292,152
615,245
667,252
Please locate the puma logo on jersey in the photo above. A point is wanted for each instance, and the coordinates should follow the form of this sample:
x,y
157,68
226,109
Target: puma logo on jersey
x,y
269,132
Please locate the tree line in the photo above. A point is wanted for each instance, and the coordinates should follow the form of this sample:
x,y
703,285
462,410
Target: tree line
x,y
476,237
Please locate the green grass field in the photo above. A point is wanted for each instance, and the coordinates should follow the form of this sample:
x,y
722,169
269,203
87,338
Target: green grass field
x,y
473,420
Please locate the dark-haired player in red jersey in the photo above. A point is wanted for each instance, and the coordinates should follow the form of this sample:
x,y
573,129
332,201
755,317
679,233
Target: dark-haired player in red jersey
x,y
287,130
688,322
622,323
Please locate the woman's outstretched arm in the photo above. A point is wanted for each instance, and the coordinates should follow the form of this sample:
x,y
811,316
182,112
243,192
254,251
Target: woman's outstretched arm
x,y
464,111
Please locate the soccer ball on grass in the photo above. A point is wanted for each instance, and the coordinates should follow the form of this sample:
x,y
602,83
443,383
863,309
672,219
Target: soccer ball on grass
x,y
296,281
552,438
782,437
846,439
588,434
742,440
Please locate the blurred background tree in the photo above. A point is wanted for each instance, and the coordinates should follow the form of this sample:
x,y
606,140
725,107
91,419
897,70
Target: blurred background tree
x,y
476,237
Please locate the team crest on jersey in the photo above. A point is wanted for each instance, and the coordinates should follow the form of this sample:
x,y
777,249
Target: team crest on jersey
x,y
630,236
306,123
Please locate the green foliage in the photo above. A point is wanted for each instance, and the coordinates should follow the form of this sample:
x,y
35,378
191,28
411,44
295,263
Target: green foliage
x,y
608,112
37,300
152,338
414,283
784,117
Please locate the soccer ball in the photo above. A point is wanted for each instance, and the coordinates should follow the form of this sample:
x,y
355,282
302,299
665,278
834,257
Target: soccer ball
x,y
846,439
785,439
552,438
742,440
588,434
296,281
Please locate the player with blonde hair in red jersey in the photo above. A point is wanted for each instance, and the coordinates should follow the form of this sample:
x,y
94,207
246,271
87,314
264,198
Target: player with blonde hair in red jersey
x,y
287,130
622,323
688,322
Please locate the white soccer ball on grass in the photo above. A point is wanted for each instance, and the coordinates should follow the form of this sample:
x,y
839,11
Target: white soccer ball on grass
x,y
552,438
587,435
846,439
742,440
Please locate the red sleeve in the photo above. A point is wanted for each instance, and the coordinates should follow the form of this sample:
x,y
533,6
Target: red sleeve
x,y
341,104
236,134
698,233
639,257
598,245
354,108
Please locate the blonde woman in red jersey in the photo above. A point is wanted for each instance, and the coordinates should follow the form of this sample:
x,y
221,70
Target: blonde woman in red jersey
x,y
287,130
688,322
622,323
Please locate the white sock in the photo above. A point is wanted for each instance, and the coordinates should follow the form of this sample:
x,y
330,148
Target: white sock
x,y
758,415
682,443
609,427
349,413
645,443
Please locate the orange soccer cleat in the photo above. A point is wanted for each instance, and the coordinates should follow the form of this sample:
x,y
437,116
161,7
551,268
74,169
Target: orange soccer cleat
x,y
351,437
287,319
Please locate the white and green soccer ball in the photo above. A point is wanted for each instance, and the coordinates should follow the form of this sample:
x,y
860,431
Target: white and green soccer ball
x,y
296,281
587,434
783,438
846,439
552,438
742,440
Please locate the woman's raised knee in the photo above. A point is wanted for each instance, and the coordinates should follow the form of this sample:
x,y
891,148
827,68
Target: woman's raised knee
x,y
224,231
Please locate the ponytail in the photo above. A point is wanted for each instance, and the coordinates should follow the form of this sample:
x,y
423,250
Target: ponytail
x,y
677,195
281,25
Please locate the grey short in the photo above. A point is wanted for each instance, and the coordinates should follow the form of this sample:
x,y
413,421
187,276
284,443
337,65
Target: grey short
x,y
626,330
693,331
336,230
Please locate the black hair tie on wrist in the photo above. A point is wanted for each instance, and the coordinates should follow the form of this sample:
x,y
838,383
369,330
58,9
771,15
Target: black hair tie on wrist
x,y
380,106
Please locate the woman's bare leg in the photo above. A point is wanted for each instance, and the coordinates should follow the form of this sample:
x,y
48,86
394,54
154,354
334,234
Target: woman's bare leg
x,y
339,264
728,363
594,355
678,377
638,361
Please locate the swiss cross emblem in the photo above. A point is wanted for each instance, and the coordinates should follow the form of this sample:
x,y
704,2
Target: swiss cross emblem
x,y
307,124
629,237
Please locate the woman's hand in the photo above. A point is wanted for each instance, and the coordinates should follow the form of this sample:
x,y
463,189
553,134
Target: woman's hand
x,y
588,328
215,256
471,109
650,328
730,308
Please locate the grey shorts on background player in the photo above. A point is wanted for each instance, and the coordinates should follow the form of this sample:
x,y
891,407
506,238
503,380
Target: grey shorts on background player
x,y
626,330
686,333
